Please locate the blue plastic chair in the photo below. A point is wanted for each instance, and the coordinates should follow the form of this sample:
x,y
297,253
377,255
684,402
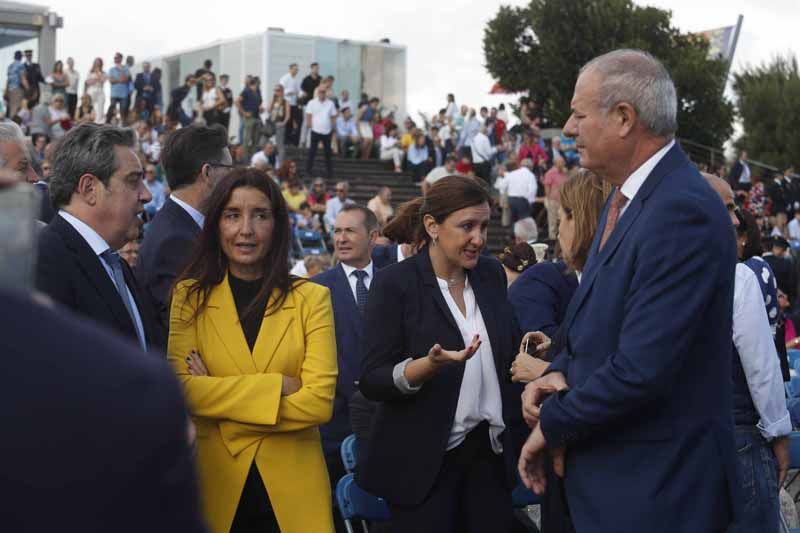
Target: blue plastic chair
x,y
794,385
348,453
794,357
355,504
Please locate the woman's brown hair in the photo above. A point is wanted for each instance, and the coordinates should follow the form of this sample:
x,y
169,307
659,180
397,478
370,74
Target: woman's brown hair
x,y
582,198
445,197
208,264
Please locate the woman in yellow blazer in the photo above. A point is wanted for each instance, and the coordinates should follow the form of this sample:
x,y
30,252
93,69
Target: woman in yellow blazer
x,y
255,351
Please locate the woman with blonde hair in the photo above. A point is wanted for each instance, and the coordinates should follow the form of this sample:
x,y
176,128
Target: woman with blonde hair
x,y
95,83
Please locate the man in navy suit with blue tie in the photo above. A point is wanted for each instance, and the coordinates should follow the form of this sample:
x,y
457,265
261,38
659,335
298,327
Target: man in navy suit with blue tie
x,y
638,402
354,235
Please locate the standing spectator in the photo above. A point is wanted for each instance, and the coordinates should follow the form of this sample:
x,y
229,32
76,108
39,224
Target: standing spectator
x,y
390,148
381,205
451,110
129,62
85,112
200,74
33,77
227,93
98,189
119,76
553,180
320,114
266,156
519,184
95,83
739,177
349,281
249,106
14,80
256,396
531,149
469,130
555,151
347,132
335,204
156,189
213,101
307,94
419,158
74,78
280,113
194,159
291,91
483,153
146,88
58,80
367,113
181,105
756,201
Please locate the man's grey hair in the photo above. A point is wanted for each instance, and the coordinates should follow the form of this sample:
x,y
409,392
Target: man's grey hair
x,y
10,132
525,230
345,185
639,79
86,149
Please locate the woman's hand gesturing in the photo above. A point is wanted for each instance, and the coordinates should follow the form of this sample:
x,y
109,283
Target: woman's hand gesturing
x,y
440,357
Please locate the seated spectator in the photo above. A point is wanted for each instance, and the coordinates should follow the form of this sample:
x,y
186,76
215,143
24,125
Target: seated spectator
x,y
525,230
346,132
381,205
517,259
130,252
318,197
287,171
335,204
794,227
448,169
294,195
419,158
781,229
157,190
367,113
407,139
304,217
58,120
85,112
391,150
267,155
311,265
464,166
531,149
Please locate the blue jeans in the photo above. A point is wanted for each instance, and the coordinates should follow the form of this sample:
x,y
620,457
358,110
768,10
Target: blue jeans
x,y
758,473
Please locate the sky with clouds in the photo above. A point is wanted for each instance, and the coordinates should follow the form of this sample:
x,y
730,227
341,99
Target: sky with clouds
x,y
444,38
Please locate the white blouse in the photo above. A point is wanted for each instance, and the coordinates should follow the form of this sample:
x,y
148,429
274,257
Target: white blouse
x,y
479,397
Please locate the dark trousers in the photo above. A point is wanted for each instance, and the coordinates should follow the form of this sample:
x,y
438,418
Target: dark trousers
x,y
294,125
254,513
316,138
483,170
123,110
72,103
470,494
520,208
420,170
758,473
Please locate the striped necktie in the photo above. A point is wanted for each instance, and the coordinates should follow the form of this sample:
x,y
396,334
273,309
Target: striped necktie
x,y
617,203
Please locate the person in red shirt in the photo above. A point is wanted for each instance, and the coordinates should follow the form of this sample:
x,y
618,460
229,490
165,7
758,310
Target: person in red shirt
x,y
530,149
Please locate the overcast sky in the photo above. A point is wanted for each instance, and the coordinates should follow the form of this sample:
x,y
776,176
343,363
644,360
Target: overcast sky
x,y
444,38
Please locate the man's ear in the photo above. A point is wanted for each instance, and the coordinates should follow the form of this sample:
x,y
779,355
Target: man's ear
x,y
88,188
624,116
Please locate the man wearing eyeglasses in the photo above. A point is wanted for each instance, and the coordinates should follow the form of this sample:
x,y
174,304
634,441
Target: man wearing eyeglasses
x,y
335,204
195,158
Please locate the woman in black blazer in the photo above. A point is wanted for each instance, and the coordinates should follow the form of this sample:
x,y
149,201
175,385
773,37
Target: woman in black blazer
x,y
439,337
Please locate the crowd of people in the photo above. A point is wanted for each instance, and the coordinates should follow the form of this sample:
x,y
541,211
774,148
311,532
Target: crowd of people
x,y
627,363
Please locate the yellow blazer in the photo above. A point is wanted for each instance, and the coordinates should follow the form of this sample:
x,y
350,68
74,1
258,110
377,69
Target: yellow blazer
x,y
238,409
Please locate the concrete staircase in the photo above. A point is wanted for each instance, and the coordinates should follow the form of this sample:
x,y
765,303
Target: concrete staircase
x,y
367,176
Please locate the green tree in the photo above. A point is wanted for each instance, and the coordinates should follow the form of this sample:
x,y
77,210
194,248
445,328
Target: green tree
x,y
540,48
768,101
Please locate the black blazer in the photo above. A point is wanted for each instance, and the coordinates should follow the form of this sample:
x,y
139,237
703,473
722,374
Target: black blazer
x,y
406,315
90,420
69,272
168,241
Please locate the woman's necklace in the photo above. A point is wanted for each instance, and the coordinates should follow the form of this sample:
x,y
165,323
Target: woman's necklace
x,y
454,282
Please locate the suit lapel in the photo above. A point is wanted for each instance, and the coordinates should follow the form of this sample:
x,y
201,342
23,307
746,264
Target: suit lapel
x,y
273,329
95,272
180,214
225,318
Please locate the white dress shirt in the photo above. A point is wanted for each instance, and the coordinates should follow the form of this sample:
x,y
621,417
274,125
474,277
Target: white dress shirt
x,y
196,215
753,339
291,87
322,113
479,397
352,280
482,149
520,183
98,246
639,176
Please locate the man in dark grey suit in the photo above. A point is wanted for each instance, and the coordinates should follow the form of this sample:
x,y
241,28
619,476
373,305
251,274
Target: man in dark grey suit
x,y
194,159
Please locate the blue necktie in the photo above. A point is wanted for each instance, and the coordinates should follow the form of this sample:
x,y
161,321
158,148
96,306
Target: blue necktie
x,y
361,289
113,260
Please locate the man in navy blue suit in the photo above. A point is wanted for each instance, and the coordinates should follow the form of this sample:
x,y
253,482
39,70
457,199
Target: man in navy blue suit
x,y
638,402
354,235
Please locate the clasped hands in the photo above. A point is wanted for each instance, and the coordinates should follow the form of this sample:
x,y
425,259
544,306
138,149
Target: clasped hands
x,y
197,367
531,464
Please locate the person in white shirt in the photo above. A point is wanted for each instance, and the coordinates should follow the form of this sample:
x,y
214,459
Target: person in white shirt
x,y
347,131
760,414
482,154
291,90
390,148
266,156
519,184
72,88
794,227
320,113
448,169
451,111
